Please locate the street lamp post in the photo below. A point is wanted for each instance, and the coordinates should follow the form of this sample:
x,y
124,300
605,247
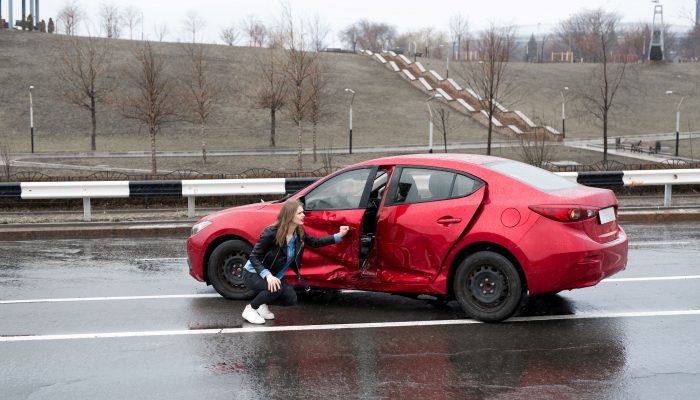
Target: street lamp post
x,y
352,98
430,121
31,117
563,112
447,62
678,120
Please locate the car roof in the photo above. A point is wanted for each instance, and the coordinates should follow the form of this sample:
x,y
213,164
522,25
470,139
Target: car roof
x,y
434,159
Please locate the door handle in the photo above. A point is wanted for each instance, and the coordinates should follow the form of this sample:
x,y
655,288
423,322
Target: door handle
x,y
449,220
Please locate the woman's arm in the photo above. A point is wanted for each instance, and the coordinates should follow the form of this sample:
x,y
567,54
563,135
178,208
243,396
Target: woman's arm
x,y
262,246
326,240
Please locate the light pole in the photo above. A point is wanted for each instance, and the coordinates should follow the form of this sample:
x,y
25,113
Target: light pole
x,y
447,62
430,121
352,98
31,117
563,112
415,50
678,120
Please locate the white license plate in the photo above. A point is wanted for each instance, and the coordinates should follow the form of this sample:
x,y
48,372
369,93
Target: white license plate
x,y
606,215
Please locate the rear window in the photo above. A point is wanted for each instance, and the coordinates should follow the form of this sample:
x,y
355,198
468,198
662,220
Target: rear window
x,y
532,176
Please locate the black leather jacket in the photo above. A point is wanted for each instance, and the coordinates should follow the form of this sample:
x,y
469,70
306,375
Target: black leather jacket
x,y
267,254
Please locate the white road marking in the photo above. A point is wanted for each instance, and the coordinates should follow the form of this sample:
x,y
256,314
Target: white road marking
x,y
371,325
70,299
653,278
640,244
162,259
215,295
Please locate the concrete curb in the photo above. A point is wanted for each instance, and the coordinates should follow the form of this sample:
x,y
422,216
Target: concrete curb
x,y
154,229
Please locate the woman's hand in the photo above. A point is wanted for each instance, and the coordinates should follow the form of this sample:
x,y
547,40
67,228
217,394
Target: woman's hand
x,y
343,230
273,284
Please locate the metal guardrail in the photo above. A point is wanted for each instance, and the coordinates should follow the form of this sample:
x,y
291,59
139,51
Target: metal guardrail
x,y
226,187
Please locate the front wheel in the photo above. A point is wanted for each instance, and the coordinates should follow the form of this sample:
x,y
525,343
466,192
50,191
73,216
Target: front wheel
x,y
225,269
488,287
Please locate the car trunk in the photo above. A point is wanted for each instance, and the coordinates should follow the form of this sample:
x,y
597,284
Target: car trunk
x,y
603,226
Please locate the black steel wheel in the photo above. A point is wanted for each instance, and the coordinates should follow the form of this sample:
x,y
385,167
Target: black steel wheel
x,y
488,287
225,269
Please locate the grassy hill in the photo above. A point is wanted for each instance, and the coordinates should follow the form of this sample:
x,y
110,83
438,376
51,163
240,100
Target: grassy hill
x,y
387,110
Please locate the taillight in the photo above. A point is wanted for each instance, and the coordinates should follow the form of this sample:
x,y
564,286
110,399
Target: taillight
x,y
566,213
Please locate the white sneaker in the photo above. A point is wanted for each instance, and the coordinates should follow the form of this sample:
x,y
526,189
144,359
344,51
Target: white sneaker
x,y
252,316
265,312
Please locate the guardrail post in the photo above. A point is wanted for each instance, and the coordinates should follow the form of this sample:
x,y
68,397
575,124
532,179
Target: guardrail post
x,y
667,195
87,213
190,206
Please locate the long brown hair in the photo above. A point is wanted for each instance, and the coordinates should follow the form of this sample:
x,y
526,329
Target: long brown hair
x,y
284,219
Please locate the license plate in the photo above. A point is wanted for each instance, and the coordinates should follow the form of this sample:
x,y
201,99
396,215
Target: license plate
x,y
606,215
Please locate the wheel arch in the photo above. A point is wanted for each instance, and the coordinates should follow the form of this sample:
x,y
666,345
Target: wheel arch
x,y
475,248
210,249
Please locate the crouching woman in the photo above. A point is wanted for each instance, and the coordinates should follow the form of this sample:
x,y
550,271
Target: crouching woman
x,y
280,247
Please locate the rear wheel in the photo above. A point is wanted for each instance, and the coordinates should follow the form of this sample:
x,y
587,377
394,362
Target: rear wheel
x,y
488,287
225,269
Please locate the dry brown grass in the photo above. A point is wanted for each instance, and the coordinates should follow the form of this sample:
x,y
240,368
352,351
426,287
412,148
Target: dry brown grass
x,y
386,111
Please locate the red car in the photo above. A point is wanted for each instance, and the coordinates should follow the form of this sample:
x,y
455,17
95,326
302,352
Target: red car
x,y
483,230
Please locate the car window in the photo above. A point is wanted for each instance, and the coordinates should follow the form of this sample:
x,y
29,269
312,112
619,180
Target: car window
x,y
418,185
465,185
341,192
532,176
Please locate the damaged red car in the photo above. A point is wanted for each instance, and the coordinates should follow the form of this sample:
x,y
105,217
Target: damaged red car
x,y
483,230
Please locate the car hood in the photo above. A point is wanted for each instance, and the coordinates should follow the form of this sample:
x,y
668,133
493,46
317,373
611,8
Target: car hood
x,y
236,210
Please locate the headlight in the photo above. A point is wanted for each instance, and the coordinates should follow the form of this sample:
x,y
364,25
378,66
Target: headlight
x,y
199,226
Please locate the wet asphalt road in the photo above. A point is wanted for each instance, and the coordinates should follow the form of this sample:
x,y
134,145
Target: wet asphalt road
x,y
623,339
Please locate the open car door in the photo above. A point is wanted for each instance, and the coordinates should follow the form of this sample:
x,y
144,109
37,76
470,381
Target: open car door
x,y
340,200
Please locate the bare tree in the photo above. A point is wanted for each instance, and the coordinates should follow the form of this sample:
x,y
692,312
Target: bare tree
x,y
318,109
6,159
193,23
441,118
202,92
153,100
82,76
459,32
319,32
255,30
161,31
69,16
300,65
111,20
230,34
272,87
490,77
535,149
369,35
132,17
598,91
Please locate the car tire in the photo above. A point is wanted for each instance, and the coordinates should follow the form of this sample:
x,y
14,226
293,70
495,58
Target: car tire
x,y
488,287
225,269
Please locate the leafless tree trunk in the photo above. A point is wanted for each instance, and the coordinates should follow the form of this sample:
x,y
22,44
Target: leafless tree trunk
x,y
82,76
490,77
318,108
202,92
161,31
69,16
459,31
132,16
193,23
598,91
272,87
6,159
442,115
255,30
153,101
300,65
319,32
111,20
230,35
536,149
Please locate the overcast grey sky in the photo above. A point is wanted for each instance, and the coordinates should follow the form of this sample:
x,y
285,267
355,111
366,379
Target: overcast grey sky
x,y
405,15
